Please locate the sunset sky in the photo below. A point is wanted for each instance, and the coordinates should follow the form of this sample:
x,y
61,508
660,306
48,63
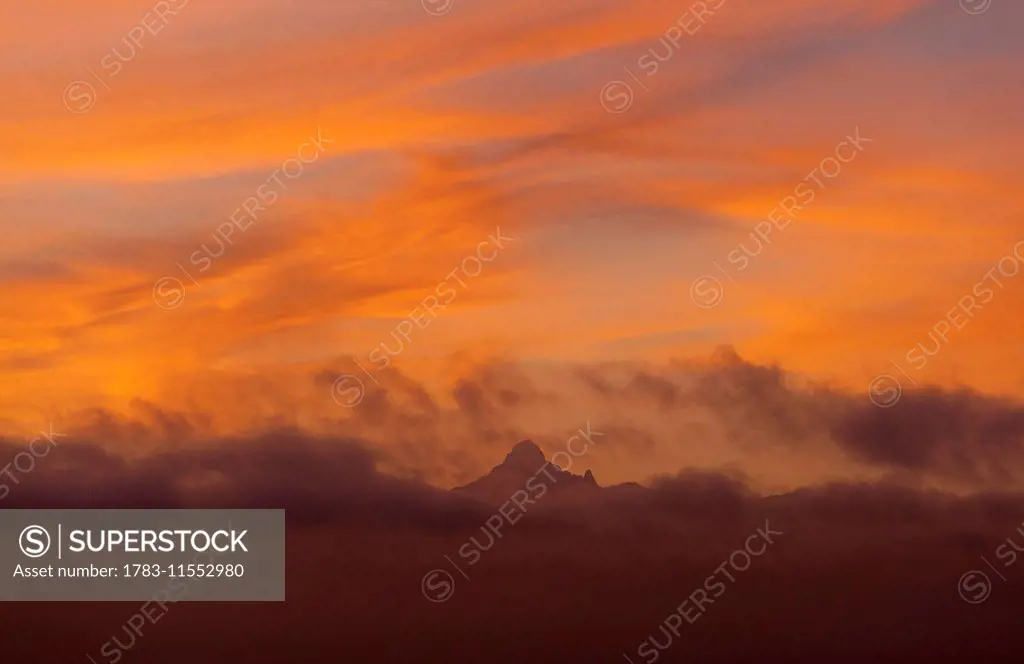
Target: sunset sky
x,y
620,187
371,262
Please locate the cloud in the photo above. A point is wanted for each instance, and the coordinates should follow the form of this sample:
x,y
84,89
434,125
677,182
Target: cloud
x,y
848,562
958,432
777,430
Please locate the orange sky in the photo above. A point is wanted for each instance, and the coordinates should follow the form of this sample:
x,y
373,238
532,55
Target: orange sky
x,y
492,117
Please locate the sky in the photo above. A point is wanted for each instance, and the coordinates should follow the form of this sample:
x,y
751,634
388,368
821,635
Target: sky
x,y
345,257
444,226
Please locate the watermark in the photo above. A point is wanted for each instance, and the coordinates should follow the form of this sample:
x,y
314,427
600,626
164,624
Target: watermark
x,y
438,585
169,292
437,7
119,555
348,389
707,291
175,590
617,95
739,561
24,462
150,612
885,390
80,96
975,586
975,6
955,320
34,542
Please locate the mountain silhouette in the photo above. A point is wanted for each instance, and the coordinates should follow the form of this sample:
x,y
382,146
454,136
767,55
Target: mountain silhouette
x,y
525,464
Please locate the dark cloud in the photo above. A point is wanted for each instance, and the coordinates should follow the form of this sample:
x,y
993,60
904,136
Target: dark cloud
x,y
861,570
857,571
778,429
957,433
315,479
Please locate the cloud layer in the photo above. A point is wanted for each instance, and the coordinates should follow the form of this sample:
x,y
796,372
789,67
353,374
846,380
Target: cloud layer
x,y
847,570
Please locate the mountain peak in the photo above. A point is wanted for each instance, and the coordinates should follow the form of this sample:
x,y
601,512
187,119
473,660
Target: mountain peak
x,y
526,462
526,455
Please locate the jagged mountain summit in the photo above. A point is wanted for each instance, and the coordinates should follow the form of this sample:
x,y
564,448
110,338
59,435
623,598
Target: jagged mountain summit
x,y
525,468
